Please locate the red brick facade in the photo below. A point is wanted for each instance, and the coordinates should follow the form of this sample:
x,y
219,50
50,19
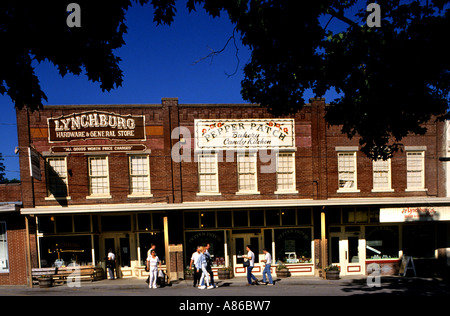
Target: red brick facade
x,y
175,183
16,236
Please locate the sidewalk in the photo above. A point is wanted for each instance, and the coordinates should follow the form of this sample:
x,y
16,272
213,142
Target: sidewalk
x,y
354,285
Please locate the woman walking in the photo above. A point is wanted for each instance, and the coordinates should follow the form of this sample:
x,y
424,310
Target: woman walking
x,y
201,262
152,266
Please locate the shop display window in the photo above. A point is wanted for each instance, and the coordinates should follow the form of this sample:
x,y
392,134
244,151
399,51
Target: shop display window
x,y
419,240
214,238
224,219
256,218
293,245
4,259
61,251
382,242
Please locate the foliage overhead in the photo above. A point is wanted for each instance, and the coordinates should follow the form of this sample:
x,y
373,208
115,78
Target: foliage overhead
x,y
391,79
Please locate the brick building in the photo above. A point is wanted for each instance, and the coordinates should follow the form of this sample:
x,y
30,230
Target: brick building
x,y
13,264
126,176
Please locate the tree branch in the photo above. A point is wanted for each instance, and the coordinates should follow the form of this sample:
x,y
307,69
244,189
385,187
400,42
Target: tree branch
x,y
215,53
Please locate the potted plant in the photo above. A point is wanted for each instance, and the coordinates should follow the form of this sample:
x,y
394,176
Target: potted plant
x,y
225,273
332,272
283,270
45,281
189,274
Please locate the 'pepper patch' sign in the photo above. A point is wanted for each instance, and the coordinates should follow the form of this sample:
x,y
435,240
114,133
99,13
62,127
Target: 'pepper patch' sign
x,y
246,133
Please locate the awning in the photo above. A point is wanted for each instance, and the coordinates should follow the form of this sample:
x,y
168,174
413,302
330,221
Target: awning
x,y
249,204
7,207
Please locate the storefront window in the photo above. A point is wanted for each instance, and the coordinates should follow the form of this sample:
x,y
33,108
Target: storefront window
x,y
352,215
240,219
293,245
214,238
158,221
46,224
64,224
116,223
191,220
208,219
272,217
224,219
82,223
382,242
288,217
256,218
304,216
419,240
4,260
144,221
63,250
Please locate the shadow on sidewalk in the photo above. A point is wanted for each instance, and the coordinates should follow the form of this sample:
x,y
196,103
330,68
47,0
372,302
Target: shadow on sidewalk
x,y
393,285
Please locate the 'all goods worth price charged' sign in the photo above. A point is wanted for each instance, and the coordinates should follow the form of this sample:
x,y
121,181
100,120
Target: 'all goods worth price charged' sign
x,y
246,133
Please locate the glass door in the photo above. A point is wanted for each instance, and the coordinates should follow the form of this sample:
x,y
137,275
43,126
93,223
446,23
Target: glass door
x,y
239,243
346,251
119,244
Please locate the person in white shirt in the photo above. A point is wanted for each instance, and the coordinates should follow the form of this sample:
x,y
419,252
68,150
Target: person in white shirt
x,y
111,264
152,265
201,262
268,262
251,258
192,265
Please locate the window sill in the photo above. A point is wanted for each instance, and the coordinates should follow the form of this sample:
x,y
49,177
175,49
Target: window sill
x,y
348,191
416,190
94,197
209,194
247,192
286,192
382,190
137,196
59,198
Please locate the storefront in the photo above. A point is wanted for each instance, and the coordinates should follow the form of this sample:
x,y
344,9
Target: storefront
x,y
287,233
87,239
361,236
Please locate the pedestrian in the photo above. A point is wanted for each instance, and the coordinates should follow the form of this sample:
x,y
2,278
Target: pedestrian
x,y
208,264
201,262
149,254
192,265
251,258
111,264
268,262
152,266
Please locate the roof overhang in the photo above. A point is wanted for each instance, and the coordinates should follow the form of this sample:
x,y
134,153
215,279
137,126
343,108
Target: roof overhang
x,y
248,204
9,207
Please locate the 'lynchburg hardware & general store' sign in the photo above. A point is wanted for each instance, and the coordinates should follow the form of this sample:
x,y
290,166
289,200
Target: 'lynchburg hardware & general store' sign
x,y
96,125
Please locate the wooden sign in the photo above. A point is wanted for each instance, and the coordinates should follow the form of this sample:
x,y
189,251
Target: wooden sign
x,y
96,125
98,148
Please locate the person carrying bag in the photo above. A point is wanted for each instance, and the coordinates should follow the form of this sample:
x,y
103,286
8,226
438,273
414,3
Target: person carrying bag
x,y
152,266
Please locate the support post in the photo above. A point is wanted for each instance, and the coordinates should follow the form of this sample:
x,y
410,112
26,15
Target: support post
x,y
166,247
323,242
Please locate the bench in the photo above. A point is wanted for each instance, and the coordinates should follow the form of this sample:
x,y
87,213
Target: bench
x,y
60,275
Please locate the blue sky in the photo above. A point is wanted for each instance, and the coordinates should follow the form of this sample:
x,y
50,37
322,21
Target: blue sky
x,y
157,61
